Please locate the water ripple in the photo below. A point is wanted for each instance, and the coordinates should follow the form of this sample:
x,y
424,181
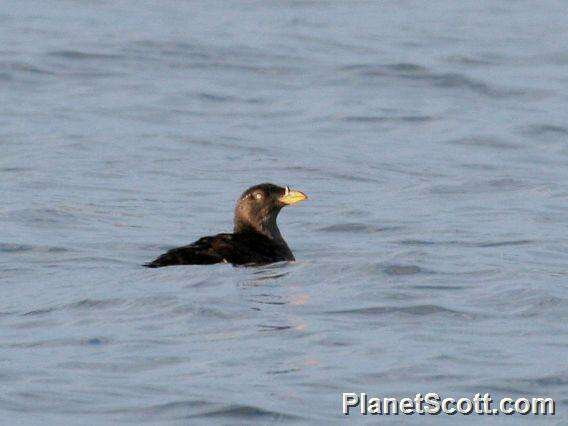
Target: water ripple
x,y
246,412
546,129
81,55
21,248
416,310
353,228
397,270
485,142
419,73
481,244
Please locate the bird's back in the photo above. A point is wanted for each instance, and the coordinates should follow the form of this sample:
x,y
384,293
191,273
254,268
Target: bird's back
x,y
244,248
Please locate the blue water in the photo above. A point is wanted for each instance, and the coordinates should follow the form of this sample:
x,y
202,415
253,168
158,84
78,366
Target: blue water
x,y
432,256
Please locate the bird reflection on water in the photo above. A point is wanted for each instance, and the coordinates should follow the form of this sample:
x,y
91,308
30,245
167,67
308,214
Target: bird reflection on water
x,y
264,290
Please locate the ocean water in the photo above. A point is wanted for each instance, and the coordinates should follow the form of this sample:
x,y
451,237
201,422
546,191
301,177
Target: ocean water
x,y
432,256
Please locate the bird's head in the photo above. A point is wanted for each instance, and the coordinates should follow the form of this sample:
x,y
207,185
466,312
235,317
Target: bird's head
x,y
258,207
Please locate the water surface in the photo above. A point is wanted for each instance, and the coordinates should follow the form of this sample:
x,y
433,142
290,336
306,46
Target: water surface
x,y
432,255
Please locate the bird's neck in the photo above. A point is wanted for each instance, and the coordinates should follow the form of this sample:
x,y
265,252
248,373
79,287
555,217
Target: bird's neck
x,y
267,227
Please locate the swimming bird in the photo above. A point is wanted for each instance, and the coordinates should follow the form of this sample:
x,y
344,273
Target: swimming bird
x,y
256,239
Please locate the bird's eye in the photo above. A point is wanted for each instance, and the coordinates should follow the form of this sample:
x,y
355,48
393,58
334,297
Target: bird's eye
x,y
257,195
286,190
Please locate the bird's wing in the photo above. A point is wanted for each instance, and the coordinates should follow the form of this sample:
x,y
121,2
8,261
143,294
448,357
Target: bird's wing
x,y
205,251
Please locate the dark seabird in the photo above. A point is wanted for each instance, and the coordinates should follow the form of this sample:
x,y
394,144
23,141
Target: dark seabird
x,y
256,239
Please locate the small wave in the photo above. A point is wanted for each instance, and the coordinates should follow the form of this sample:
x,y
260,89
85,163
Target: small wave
x,y
332,174
244,412
271,267
386,119
484,142
79,55
41,311
557,380
466,243
455,80
286,371
206,312
18,248
437,287
167,46
271,276
235,66
84,304
504,243
420,242
398,270
267,302
266,327
23,68
353,228
54,343
15,248
14,169
95,341
378,70
407,67
164,408
230,145
181,55
44,216
535,308
94,259
188,409
217,98
471,60
545,130
93,303
351,178
481,187
418,310
437,79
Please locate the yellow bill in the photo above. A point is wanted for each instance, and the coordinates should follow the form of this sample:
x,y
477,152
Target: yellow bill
x,y
292,196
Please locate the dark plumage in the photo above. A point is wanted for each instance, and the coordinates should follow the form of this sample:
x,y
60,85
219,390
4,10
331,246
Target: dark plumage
x,y
255,240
